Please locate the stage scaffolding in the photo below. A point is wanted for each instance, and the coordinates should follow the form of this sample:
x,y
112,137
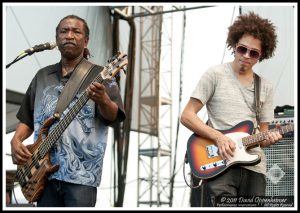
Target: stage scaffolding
x,y
155,110
151,111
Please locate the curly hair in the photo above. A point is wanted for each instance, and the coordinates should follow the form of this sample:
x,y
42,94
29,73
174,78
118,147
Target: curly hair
x,y
259,28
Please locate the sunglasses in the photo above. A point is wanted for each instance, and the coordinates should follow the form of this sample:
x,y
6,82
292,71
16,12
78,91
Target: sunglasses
x,y
241,49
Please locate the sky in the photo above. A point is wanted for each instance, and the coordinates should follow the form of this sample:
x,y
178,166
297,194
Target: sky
x,y
206,31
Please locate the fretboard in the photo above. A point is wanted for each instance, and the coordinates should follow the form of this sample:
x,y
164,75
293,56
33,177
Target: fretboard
x,y
258,138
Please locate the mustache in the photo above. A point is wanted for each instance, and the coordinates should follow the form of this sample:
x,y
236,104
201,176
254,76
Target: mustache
x,y
68,42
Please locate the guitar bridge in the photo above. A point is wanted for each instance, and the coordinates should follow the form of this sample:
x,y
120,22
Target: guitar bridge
x,y
213,165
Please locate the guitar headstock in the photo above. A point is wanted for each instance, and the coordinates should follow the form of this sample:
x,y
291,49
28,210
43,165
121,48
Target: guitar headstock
x,y
116,63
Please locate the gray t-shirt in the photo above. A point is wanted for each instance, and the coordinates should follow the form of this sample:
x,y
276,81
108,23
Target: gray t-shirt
x,y
228,103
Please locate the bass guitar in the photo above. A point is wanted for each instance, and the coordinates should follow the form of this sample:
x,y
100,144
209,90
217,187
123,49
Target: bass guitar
x,y
32,176
203,157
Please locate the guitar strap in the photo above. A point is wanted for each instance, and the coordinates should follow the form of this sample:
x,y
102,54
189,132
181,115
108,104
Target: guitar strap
x,y
257,83
69,91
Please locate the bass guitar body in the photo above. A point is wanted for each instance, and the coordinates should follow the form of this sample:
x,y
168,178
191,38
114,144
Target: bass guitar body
x,y
33,175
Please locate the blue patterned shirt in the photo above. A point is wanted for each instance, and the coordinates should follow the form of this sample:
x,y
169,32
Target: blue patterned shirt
x,y
80,150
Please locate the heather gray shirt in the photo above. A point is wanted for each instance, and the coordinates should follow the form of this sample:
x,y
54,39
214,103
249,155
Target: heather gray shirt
x,y
228,103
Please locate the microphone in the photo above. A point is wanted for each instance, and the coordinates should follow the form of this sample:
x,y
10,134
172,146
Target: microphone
x,y
41,47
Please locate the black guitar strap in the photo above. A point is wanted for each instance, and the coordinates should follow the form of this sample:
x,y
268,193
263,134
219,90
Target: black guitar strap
x,y
69,91
257,83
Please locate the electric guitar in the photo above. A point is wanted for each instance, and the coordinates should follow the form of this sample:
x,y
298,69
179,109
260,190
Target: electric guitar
x,y
32,176
203,156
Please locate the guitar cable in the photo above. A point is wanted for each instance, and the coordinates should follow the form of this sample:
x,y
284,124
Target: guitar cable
x,y
184,177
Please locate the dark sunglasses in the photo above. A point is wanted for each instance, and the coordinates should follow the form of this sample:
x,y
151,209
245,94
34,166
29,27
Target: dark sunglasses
x,y
241,49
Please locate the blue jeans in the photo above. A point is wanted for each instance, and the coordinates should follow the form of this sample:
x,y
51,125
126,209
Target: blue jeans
x,y
62,194
236,182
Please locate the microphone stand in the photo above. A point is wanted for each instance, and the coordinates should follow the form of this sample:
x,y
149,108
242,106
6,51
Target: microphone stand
x,y
17,59
36,48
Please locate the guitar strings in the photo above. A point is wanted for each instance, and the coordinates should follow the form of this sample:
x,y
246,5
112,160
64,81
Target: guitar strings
x,y
253,139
